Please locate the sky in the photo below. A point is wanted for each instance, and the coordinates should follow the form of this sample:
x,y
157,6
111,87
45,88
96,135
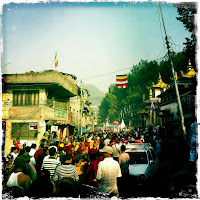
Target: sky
x,y
94,41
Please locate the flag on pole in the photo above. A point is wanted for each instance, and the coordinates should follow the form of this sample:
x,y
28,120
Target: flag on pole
x,y
121,81
56,60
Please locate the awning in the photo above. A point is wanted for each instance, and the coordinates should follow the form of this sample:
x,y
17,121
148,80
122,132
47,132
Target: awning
x,y
51,122
58,123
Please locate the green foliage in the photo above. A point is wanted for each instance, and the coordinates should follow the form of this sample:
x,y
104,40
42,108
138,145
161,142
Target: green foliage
x,y
103,110
141,77
187,17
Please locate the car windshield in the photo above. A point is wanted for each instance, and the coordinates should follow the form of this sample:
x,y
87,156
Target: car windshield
x,y
138,158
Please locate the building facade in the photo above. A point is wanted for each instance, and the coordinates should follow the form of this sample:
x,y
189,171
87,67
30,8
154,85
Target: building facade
x,y
34,102
169,110
150,114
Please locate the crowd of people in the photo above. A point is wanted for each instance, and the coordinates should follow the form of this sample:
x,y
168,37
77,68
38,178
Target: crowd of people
x,y
72,166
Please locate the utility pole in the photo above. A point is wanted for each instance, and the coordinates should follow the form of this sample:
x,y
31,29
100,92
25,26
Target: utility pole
x,y
174,77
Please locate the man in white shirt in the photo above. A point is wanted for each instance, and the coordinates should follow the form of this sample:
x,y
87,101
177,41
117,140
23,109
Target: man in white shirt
x,y
107,141
116,150
14,152
33,150
108,172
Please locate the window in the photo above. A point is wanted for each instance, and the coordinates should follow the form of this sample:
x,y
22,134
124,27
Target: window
x,y
138,158
23,98
23,131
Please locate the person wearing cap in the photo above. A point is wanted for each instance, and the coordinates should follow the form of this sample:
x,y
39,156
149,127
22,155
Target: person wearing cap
x,y
107,140
116,150
108,172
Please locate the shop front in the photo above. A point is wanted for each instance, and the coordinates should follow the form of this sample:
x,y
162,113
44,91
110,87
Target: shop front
x,y
62,128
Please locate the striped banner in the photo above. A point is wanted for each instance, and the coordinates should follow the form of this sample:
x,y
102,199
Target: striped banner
x,y
122,85
121,78
121,81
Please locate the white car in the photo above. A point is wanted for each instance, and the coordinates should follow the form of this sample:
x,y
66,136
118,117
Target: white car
x,y
143,161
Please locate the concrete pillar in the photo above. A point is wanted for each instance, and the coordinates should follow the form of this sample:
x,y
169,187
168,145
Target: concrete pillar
x,y
42,97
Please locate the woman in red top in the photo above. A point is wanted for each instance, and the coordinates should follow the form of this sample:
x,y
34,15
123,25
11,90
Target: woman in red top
x,y
69,148
18,144
93,151
92,170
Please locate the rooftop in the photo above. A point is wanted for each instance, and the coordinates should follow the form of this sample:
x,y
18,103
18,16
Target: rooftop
x,y
45,78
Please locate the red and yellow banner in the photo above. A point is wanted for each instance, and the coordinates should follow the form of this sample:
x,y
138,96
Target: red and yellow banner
x,y
121,81
56,61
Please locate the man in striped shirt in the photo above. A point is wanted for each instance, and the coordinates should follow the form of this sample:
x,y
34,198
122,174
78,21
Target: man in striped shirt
x,y
66,170
50,163
66,177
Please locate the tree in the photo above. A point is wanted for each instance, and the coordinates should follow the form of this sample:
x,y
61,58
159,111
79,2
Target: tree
x,y
187,14
103,110
129,102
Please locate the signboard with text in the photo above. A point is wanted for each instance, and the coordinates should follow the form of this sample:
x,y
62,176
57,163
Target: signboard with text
x,y
54,128
60,113
33,126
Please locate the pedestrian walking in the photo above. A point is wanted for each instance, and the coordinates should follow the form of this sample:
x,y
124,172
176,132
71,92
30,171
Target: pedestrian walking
x,y
108,172
50,163
18,177
124,159
116,150
66,177
14,152
193,145
92,170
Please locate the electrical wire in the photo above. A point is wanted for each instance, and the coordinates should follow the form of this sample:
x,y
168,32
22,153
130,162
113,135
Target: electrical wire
x,y
103,74
172,42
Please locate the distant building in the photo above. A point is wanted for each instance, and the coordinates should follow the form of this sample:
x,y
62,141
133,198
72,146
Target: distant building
x,y
150,114
76,105
35,102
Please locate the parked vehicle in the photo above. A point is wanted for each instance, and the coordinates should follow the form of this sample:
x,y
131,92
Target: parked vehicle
x,y
143,161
